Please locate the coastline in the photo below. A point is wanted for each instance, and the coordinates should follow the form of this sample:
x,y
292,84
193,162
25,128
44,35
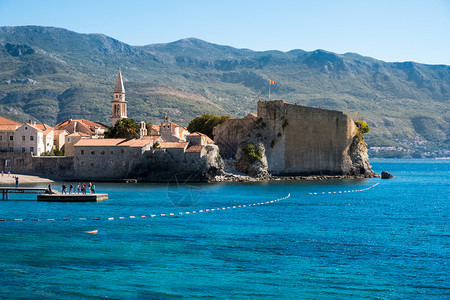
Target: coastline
x,y
231,177
227,177
23,179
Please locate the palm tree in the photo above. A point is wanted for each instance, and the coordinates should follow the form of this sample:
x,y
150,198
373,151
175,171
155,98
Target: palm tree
x,y
124,128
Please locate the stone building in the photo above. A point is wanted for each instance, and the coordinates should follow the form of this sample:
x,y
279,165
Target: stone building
x,y
29,138
71,139
172,132
109,158
7,129
87,127
48,136
59,139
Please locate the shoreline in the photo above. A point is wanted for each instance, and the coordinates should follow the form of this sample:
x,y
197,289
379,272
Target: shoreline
x,y
23,179
230,177
227,177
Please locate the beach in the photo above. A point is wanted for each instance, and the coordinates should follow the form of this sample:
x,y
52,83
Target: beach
x,y
7,180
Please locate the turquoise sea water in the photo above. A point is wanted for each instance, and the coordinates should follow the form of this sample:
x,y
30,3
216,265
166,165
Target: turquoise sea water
x,y
391,241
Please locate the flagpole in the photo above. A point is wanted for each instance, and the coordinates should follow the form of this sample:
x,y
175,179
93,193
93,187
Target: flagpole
x,y
269,90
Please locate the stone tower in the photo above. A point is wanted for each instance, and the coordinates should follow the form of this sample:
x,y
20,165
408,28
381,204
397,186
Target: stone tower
x,y
119,105
142,130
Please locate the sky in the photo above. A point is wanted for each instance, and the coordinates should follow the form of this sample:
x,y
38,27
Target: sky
x,y
389,30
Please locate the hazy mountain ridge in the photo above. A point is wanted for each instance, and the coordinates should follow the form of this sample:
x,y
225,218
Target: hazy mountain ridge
x,y
51,74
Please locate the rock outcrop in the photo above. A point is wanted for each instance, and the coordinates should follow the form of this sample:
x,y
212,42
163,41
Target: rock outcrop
x,y
161,166
293,140
359,157
386,175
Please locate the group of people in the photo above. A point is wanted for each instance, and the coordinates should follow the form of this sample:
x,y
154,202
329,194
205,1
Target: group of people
x,y
9,173
81,188
16,178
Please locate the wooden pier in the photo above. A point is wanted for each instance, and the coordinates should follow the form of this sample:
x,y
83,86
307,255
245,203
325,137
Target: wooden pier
x,y
23,190
52,196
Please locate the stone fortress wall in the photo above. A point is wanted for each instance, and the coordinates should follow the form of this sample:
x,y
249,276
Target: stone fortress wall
x,y
307,140
298,140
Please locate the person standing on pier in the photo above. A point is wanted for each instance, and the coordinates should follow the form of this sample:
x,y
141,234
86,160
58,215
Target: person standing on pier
x,y
17,181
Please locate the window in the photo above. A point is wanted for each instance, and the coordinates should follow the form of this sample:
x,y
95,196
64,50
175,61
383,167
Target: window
x,y
69,139
102,153
112,152
26,128
11,137
1,137
92,152
124,151
23,149
92,164
23,138
82,163
11,149
32,149
112,162
82,152
31,138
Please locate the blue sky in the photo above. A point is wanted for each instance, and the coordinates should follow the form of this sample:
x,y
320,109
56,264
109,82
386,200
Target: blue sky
x,y
395,30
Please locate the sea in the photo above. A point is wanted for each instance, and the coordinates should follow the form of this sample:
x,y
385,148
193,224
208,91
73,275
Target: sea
x,y
331,239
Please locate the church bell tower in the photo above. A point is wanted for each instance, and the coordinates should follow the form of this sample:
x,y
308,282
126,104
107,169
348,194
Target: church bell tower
x,y
119,105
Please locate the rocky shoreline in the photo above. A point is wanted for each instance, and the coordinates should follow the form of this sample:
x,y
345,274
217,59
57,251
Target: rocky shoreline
x,y
231,177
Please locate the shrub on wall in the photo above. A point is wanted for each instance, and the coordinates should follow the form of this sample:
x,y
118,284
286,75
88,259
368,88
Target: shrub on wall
x,y
252,154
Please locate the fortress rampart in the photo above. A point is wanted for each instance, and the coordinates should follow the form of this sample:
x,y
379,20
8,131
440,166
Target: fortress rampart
x,y
298,140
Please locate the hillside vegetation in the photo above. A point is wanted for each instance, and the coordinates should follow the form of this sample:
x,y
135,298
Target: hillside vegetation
x,y
51,74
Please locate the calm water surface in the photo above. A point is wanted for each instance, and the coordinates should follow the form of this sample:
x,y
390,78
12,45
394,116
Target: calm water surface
x,y
390,242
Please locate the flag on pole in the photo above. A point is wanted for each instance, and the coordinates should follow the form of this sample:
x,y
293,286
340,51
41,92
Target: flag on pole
x,y
272,82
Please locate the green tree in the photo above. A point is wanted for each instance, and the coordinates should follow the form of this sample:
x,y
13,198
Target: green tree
x,y
124,128
362,126
205,123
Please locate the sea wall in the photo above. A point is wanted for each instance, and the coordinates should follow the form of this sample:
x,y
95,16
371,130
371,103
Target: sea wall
x,y
97,164
25,163
175,166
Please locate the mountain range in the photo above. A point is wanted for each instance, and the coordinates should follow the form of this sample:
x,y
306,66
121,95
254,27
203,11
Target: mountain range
x,y
50,74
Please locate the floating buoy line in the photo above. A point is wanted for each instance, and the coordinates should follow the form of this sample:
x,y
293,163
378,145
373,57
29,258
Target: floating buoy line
x,y
181,213
343,192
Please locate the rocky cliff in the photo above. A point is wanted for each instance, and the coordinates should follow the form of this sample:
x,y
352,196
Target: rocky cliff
x,y
292,140
162,166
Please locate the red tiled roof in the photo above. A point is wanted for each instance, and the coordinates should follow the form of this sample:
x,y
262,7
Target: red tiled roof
x,y
99,142
138,143
44,128
88,126
113,143
58,132
79,134
195,148
8,127
172,145
5,121
153,138
174,125
208,139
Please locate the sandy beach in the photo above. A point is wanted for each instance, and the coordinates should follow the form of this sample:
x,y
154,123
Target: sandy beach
x,y
10,180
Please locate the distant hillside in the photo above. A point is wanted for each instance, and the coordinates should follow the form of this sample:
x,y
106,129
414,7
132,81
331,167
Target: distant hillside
x,y
52,74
